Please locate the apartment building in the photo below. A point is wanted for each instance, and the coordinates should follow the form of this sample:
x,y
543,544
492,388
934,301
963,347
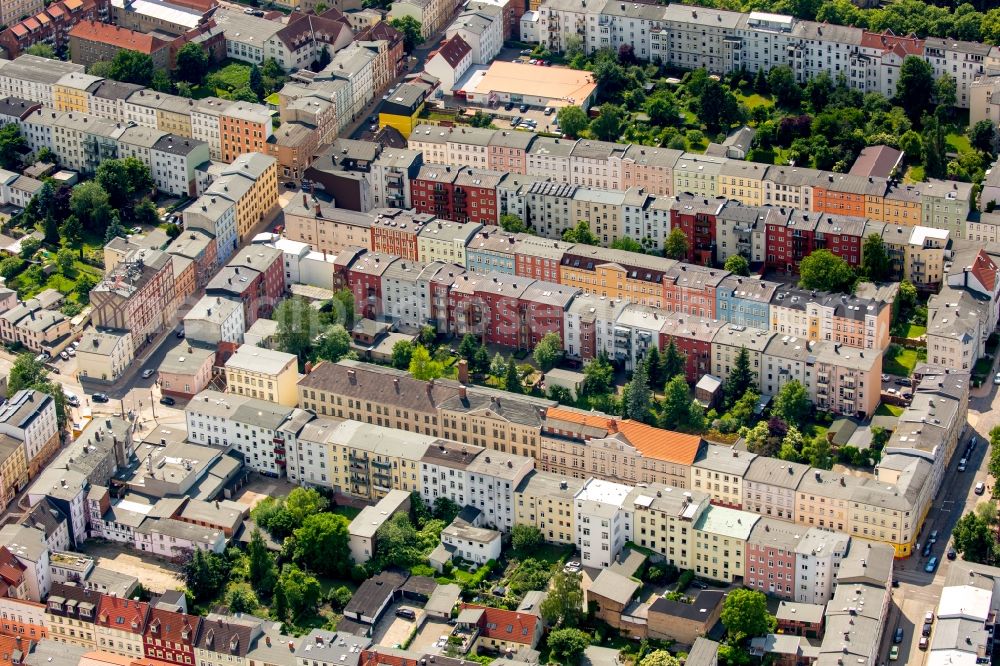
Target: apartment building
x,y
70,613
745,301
662,518
861,323
267,374
29,417
92,41
692,336
771,557
444,240
818,557
600,521
720,542
546,501
251,184
243,128
769,487
719,471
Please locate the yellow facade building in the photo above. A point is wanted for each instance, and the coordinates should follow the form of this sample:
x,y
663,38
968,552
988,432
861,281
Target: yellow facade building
x,y
545,501
265,374
72,92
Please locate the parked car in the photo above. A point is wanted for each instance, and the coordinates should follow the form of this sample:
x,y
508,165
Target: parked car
x,y
548,110
523,108
904,381
895,582
64,355
100,397
894,653
72,400
980,488
927,549
700,585
931,565
926,631
962,463
147,373
952,554
898,638
933,536
508,106
886,378
167,400
406,614
179,334
996,379
929,617
924,642
71,351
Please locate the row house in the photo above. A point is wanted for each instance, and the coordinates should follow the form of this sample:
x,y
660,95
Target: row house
x,y
696,217
692,335
254,277
216,217
745,301
539,258
545,501
28,22
136,295
691,289
491,249
396,232
391,173
251,184
719,471
650,168
771,557
405,295
615,274
461,194
849,320
589,326
365,278
326,228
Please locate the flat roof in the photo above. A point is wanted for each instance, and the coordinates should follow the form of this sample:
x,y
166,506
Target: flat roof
x,y
562,85
259,359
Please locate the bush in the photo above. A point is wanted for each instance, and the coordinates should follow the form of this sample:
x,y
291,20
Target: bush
x,y
661,573
477,578
685,579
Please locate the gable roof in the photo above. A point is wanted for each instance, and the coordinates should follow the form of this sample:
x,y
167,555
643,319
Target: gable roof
x,y
122,614
454,49
167,625
505,625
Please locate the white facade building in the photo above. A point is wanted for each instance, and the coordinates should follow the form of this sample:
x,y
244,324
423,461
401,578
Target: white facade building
x,y
599,516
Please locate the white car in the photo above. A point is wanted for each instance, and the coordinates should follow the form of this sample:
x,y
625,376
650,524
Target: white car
x,y
996,379
64,355
147,373
71,351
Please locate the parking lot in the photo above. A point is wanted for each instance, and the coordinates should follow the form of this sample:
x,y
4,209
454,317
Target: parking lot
x,y
429,637
392,630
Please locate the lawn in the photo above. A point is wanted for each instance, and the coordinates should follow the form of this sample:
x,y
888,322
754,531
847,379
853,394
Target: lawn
x,y
915,174
755,100
888,410
959,142
902,364
915,331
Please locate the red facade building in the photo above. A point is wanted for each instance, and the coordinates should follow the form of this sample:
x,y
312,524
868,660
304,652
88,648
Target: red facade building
x,y
171,637
695,216
364,277
539,258
789,242
691,289
256,277
841,235
693,337
770,557
460,194
395,232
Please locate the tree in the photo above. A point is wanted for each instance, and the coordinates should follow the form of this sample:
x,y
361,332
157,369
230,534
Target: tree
x,y
678,410
241,598
396,543
674,361
973,538
65,258
654,367
468,346
662,110
322,544
427,336
792,445
638,398
792,403
598,376
548,351
333,344
339,597
132,67
446,509
298,324
738,265
742,412
580,234
498,366
913,145
676,245
480,362
12,144
717,106
91,205
256,82
568,644
114,228
402,352
915,87
263,573
512,377
758,439
983,136
29,246
343,301
410,27
279,607
818,91
205,573
512,223
423,367
145,214
28,373
11,266
525,538
945,93
744,614
563,607
659,658
42,50
825,271
781,81
84,284
740,378
124,180
608,125
192,63
299,591
874,258
572,120
628,245
323,59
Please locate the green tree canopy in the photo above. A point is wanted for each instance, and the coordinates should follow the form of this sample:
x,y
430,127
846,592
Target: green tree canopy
x,y
580,234
12,145
874,258
322,544
744,614
572,120
423,367
132,67
512,377
598,376
526,538
28,373
512,223
608,125
298,591
410,27
192,63
568,644
738,265
333,344
298,324
659,658
676,246
792,404
548,351
741,377
637,398
825,271
915,87
402,353
974,539
563,607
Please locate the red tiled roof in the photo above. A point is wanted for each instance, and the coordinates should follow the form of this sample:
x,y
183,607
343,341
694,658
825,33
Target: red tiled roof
x,y
104,33
19,30
73,4
55,10
887,41
454,49
505,625
167,625
985,271
124,614
31,23
9,645
11,569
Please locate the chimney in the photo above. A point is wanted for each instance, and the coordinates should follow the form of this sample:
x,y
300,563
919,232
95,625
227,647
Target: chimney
x,y
395,383
462,392
463,371
305,201
352,376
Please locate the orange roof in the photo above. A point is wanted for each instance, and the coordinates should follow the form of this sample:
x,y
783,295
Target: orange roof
x,y
123,38
101,657
55,10
9,645
167,625
985,270
31,23
43,18
11,569
72,4
123,614
19,29
668,445
506,625
651,442
582,418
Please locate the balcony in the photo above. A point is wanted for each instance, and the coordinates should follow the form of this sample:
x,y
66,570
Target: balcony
x,y
381,464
